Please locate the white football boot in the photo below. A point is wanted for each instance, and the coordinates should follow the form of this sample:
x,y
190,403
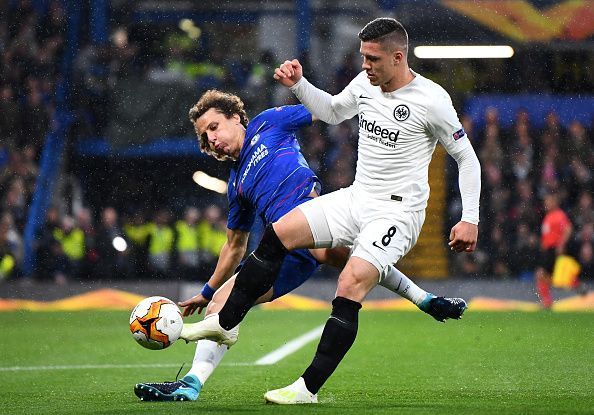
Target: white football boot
x,y
210,329
296,393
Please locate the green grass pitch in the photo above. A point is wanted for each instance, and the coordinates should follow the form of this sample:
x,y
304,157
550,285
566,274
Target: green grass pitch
x,y
402,362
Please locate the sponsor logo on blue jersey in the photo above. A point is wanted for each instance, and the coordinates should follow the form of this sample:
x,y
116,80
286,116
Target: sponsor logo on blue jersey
x,y
257,156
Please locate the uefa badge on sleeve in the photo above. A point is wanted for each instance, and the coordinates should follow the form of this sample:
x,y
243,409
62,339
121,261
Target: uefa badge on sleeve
x,y
459,134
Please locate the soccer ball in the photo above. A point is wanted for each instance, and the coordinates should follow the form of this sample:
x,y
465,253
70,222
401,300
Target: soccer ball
x,y
156,323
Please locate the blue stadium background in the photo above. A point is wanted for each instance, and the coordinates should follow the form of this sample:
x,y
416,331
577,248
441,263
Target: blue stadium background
x,y
95,142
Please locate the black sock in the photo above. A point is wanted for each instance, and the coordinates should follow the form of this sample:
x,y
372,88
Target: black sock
x,y
337,338
254,279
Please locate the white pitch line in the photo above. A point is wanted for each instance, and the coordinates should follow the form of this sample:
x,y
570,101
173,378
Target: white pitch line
x,y
269,359
291,347
108,366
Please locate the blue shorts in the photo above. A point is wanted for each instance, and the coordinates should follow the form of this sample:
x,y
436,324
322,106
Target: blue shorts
x,y
297,267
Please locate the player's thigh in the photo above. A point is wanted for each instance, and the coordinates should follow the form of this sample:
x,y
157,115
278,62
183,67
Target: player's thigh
x,y
336,257
293,230
357,278
330,219
296,268
387,238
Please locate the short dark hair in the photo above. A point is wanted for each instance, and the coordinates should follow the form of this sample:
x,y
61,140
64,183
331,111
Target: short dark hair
x,y
225,103
385,29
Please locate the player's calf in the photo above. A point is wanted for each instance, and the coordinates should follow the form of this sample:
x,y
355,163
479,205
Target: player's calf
x,y
337,338
254,279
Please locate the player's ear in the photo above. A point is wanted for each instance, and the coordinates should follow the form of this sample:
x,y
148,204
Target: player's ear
x,y
397,56
236,118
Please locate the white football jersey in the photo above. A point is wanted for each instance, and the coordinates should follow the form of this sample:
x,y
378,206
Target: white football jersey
x,y
398,132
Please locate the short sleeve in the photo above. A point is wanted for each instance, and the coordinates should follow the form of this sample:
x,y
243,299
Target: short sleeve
x,y
240,217
444,125
287,117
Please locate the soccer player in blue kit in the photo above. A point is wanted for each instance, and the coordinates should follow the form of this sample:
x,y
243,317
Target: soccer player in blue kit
x,y
269,178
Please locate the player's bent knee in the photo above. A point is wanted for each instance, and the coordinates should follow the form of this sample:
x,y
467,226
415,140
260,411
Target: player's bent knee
x,y
271,248
352,289
356,280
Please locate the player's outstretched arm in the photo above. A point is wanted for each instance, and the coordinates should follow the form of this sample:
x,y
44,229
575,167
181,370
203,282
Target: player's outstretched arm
x,y
464,234
322,105
444,125
231,254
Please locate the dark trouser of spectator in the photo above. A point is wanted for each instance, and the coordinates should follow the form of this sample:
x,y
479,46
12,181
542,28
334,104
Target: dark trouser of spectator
x,y
543,276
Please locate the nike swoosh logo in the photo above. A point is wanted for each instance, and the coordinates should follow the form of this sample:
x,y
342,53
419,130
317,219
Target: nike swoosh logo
x,y
342,321
364,97
377,246
399,282
185,388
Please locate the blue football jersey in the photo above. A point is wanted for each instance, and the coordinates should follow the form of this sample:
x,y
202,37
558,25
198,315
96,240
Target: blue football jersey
x,y
271,176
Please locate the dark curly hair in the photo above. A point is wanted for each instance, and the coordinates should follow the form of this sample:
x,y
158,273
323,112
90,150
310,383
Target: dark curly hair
x,y
225,103
385,30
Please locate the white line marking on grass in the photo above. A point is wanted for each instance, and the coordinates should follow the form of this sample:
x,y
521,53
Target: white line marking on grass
x,y
108,366
291,347
269,359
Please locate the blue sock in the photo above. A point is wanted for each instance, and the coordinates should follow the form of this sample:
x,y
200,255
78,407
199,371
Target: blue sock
x,y
192,381
424,305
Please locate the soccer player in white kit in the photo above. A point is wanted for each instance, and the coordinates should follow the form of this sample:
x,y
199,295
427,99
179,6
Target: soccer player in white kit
x,y
402,115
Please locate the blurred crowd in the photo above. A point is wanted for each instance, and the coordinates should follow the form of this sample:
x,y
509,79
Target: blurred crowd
x,y
173,60
520,164
30,48
31,45
519,167
138,246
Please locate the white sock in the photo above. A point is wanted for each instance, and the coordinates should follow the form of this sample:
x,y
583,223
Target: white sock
x,y
399,283
206,359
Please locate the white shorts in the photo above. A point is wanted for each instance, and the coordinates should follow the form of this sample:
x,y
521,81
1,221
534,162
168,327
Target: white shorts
x,y
377,228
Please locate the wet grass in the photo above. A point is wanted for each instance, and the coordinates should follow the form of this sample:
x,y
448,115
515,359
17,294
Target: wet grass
x,y
402,362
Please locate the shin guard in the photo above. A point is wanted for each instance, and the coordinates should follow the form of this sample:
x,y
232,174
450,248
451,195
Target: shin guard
x,y
337,338
254,279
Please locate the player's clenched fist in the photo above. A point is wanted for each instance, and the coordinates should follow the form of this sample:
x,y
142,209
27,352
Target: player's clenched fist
x,y
288,73
463,237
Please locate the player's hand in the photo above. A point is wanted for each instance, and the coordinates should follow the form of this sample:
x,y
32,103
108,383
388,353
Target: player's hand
x,y
198,302
463,237
288,73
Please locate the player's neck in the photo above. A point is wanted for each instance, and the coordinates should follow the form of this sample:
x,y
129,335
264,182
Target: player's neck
x,y
240,140
401,78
